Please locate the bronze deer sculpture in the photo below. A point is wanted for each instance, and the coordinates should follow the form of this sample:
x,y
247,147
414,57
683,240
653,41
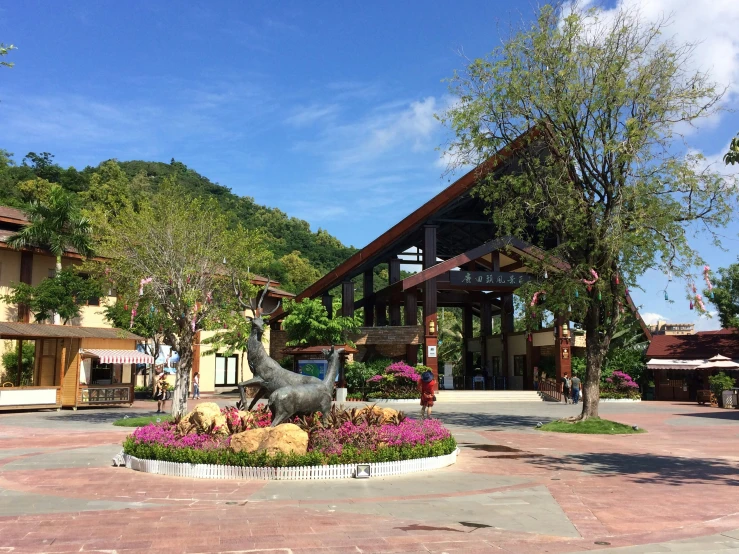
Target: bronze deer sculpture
x,y
269,376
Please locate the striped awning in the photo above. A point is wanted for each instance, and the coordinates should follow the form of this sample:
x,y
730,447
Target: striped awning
x,y
119,356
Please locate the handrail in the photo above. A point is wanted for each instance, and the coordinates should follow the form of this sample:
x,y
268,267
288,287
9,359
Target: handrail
x,y
551,390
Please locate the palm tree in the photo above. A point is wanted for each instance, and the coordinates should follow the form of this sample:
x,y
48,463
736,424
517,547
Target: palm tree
x,y
56,225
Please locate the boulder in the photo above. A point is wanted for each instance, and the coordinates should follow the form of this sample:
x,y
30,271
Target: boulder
x,y
285,438
386,413
205,416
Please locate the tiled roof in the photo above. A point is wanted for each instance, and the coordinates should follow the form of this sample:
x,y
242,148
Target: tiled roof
x,y
13,213
41,331
729,331
702,345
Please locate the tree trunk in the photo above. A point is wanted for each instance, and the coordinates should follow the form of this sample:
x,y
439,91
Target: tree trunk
x,y
182,382
57,318
595,352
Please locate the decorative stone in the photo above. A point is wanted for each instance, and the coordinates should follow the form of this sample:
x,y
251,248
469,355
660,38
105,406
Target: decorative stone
x,y
285,438
386,413
206,416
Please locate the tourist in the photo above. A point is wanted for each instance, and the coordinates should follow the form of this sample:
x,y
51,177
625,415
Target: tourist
x,y
196,386
566,385
427,386
575,384
160,392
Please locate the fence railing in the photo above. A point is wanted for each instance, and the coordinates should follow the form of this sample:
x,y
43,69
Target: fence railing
x,y
551,390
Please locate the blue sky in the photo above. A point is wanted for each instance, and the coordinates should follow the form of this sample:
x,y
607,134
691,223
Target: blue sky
x,y
323,109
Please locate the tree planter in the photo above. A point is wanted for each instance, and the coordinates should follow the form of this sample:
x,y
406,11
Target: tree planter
x,y
342,471
620,399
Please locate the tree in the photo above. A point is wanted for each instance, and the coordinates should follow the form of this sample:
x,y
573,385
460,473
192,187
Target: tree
x,y
147,321
725,296
57,226
4,51
732,156
308,324
109,191
60,297
10,363
175,248
35,190
300,273
591,104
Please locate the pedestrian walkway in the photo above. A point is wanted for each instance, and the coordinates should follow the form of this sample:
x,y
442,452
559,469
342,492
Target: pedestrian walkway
x,y
514,489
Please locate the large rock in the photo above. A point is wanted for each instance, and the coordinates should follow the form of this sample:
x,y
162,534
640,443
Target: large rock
x,y
205,417
285,438
386,414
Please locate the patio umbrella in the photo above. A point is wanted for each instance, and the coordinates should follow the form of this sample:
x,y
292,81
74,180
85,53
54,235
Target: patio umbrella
x,y
719,362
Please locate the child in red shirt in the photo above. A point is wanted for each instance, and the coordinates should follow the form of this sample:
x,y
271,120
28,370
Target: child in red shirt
x,y
427,384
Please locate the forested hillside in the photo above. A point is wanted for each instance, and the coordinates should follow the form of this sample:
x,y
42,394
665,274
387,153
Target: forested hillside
x,y
301,255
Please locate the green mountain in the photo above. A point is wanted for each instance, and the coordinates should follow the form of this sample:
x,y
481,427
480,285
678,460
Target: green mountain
x,y
301,254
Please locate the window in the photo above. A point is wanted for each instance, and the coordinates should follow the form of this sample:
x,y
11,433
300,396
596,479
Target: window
x,y
226,370
102,374
519,365
495,363
93,300
52,273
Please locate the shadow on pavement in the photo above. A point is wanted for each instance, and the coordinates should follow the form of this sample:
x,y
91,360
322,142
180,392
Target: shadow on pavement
x,y
648,468
466,419
723,414
108,416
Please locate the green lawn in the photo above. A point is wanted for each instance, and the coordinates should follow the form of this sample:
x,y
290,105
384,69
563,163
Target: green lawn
x,y
140,421
591,426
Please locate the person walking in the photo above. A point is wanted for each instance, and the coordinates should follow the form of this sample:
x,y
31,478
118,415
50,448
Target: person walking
x,y
427,384
160,392
575,384
566,386
196,386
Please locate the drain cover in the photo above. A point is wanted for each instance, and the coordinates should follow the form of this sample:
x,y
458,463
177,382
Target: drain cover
x,y
603,543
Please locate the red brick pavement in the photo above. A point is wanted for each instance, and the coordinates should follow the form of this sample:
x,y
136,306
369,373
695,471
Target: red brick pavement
x,y
677,481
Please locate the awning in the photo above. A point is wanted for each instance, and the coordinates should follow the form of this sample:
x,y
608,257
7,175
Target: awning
x,y
673,364
119,356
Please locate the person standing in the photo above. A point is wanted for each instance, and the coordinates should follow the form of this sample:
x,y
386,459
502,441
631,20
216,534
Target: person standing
x,y
566,386
160,392
427,384
575,384
196,386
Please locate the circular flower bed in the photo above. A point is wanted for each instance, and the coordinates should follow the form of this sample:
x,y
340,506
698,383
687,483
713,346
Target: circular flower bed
x,y
366,435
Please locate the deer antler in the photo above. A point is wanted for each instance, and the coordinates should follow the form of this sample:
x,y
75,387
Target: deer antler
x,y
264,293
237,290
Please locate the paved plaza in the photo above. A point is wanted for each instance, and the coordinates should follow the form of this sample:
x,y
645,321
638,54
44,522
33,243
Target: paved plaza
x,y
513,489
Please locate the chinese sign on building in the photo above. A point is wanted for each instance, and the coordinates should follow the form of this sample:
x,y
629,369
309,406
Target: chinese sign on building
x,y
492,278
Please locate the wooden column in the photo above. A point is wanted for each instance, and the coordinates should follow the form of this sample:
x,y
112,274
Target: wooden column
x,y
20,363
347,299
496,260
368,287
381,313
430,302
467,335
486,330
394,276
562,348
411,318
328,303
506,328
26,276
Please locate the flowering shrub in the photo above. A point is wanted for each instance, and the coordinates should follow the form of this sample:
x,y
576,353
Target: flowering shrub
x,y
399,380
619,385
241,421
353,438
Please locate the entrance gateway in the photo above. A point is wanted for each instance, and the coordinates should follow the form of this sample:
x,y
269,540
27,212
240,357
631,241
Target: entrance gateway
x,y
460,261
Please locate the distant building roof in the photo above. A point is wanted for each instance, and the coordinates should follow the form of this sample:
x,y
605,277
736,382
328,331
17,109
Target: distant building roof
x,y
12,214
40,331
702,345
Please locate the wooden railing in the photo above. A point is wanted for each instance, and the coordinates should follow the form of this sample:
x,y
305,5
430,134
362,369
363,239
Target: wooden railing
x,y
106,394
550,390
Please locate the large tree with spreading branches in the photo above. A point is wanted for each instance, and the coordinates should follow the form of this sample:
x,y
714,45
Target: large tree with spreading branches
x,y
593,104
174,251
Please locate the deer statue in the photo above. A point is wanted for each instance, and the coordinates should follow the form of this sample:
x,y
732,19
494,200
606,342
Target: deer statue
x,y
268,374
309,398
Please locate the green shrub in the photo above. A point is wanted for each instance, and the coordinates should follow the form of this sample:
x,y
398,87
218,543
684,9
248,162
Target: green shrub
x,y
10,363
719,383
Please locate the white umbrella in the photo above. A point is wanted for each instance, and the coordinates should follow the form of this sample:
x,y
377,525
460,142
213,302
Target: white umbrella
x,y
719,362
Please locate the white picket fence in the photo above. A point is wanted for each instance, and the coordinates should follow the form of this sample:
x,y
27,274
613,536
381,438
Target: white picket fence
x,y
344,471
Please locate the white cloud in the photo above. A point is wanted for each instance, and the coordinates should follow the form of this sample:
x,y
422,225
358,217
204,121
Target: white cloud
x,y
308,115
708,322
650,318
